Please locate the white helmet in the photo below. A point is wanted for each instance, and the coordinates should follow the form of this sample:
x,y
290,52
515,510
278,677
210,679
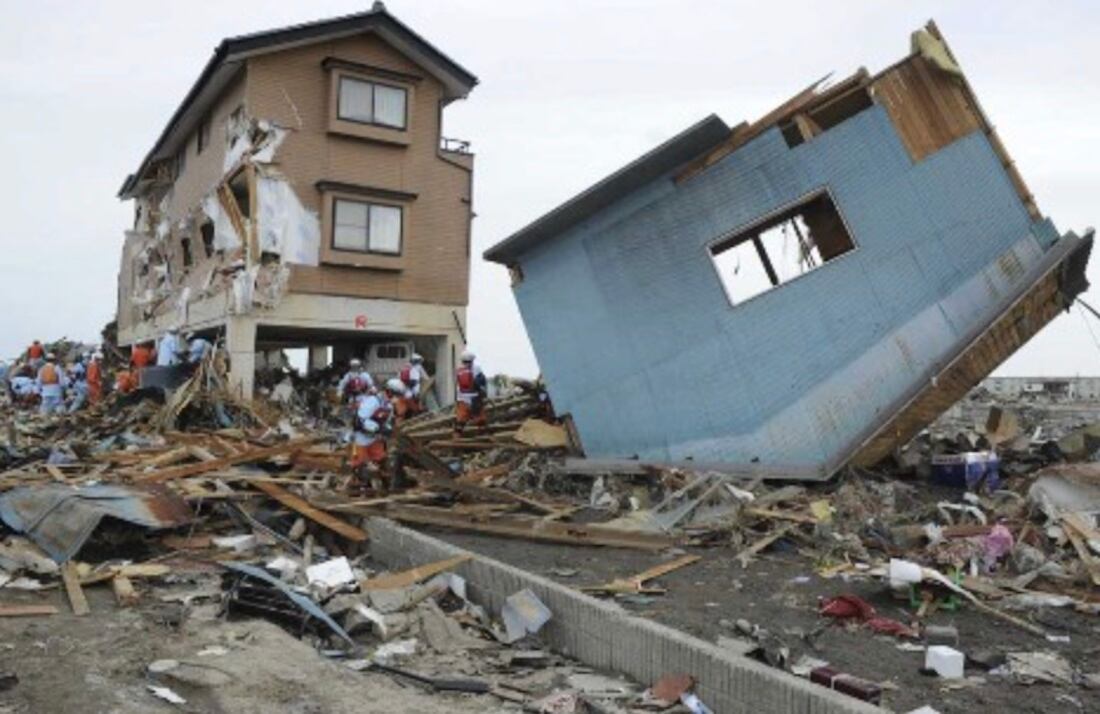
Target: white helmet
x,y
416,359
467,356
396,386
355,363
97,355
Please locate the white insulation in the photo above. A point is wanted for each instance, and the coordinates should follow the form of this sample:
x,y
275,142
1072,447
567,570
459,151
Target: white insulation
x,y
286,227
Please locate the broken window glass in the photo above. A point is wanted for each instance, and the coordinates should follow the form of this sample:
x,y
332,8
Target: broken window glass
x,y
781,248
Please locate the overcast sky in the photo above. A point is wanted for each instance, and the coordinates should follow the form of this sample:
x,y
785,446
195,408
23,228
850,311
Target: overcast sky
x,y
569,92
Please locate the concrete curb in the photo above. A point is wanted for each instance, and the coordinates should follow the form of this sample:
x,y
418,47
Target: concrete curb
x,y
602,635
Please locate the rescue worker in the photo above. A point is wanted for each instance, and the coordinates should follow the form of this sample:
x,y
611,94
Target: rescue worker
x,y
357,381
141,356
95,378
197,348
24,390
35,353
51,383
372,424
126,381
402,400
170,350
415,376
472,391
79,386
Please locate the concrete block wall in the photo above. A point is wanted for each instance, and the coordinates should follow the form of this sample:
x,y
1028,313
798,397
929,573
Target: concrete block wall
x,y
602,635
627,314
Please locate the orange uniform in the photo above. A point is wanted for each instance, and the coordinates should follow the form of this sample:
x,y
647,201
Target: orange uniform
x,y
95,382
141,356
35,351
126,382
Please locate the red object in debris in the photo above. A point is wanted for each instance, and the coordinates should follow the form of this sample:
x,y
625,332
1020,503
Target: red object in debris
x,y
670,687
847,684
853,607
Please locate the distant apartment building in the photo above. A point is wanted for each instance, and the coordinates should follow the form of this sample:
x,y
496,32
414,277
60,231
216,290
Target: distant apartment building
x,y
303,195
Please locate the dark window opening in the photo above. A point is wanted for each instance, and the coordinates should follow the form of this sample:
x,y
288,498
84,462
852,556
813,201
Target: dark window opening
x,y
188,259
817,119
781,248
207,231
203,138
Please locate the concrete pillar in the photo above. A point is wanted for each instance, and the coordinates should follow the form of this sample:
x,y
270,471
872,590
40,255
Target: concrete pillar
x,y
318,357
240,343
448,350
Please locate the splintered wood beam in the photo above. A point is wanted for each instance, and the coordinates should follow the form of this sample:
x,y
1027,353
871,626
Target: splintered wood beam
x,y
72,588
412,576
243,457
26,610
316,515
526,528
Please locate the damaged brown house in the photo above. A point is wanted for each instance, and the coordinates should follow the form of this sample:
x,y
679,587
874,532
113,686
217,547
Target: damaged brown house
x,y
302,195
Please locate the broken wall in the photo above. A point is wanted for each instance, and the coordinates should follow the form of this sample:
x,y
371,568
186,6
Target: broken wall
x,y
647,354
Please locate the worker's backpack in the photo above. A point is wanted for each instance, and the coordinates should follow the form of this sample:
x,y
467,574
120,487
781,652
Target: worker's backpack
x,y
355,385
48,375
466,381
406,375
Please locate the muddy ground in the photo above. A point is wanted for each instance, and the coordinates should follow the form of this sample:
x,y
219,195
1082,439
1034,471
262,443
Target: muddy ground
x,y
780,592
97,664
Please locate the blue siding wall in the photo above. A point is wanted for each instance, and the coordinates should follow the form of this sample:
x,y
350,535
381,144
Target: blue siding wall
x,y
637,340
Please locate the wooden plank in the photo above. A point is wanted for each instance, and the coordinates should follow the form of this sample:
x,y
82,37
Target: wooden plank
x,y
412,576
1077,532
316,515
527,528
224,462
636,583
26,610
747,554
72,588
125,595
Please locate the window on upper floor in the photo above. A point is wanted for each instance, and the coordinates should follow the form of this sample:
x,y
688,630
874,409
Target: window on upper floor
x,y
366,227
202,139
787,244
372,103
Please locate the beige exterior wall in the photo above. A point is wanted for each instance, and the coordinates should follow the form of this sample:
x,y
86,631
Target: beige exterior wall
x,y
292,89
202,172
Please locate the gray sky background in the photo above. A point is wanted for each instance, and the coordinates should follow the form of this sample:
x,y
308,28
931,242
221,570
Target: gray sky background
x,y
569,92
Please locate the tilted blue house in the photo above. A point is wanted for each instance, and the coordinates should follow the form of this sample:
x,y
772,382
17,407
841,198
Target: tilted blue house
x,y
798,294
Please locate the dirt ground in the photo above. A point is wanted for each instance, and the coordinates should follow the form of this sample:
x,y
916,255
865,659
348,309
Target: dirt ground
x,y
97,664
780,592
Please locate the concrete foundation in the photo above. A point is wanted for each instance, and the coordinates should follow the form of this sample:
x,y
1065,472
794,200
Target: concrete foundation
x,y
602,635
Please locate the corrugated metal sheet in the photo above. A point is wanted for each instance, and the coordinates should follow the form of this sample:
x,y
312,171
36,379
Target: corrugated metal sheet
x,y
60,519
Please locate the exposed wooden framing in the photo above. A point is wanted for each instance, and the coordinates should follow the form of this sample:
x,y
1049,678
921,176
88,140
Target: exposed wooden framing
x,y
802,103
240,458
1015,324
232,210
253,209
526,528
763,255
316,515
